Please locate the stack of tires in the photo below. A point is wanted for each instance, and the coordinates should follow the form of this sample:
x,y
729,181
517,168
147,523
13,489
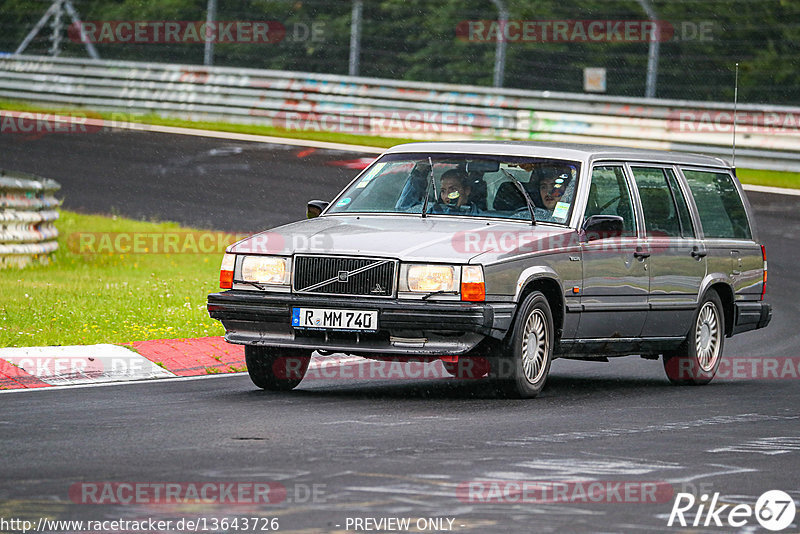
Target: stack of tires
x,y
28,211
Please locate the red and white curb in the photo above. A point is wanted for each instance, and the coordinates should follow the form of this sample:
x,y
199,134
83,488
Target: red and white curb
x,y
63,366
29,367
41,367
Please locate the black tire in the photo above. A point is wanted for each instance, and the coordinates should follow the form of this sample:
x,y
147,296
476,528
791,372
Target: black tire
x,y
696,361
276,369
521,371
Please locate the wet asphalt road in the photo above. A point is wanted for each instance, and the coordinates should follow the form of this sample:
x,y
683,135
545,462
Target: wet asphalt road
x,y
383,448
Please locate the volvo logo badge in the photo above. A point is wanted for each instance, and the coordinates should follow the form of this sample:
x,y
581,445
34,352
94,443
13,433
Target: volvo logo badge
x,y
343,276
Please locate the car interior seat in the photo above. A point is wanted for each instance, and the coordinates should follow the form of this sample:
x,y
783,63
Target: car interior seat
x,y
592,204
508,198
659,213
478,190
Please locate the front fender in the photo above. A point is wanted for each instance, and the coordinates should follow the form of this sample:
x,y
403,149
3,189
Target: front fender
x,y
534,273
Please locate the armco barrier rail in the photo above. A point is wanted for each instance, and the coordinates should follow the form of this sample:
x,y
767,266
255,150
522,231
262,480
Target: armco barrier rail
x,y
28,210
768,136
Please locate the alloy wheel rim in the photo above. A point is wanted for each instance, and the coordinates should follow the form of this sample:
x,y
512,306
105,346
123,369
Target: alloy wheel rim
x,y
535,346
707,336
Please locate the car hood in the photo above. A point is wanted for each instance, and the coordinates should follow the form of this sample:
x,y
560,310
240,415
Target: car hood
x,y
408,238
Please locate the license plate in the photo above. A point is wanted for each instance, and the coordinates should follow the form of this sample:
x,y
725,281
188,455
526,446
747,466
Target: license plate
x,y
327,319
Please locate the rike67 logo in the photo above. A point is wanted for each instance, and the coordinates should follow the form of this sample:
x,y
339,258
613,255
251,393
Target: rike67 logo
x,y
774,510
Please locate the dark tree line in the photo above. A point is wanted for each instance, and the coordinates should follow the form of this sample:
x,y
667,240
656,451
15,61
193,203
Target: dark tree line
x,y
417,40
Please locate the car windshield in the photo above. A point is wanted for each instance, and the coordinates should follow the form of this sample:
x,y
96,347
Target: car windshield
x,y
464,185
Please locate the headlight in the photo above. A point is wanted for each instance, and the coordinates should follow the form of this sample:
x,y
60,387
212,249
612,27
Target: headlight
x,y
266,270
429,278
226,271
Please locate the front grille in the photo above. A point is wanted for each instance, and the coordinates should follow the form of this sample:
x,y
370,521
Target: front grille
x,y
340,276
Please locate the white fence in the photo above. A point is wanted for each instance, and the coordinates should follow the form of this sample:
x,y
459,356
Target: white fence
x,y
768,137
28,210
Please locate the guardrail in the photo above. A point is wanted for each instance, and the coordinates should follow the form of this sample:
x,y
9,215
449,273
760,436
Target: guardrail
x,y
27,214
768,136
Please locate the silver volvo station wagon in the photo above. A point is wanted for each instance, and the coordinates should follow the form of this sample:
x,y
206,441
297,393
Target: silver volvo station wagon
x,y
497,257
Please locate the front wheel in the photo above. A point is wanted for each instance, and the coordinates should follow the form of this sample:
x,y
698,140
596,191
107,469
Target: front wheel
x,y
523,369
696,361
276,369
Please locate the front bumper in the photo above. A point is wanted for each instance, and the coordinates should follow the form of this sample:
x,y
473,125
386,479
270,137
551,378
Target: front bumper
x,y
405,327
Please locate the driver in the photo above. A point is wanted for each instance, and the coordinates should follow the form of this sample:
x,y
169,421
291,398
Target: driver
x,y
554,185
551,189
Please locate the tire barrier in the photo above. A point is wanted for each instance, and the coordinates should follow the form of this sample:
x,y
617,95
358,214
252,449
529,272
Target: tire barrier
x,y
768,137
28,211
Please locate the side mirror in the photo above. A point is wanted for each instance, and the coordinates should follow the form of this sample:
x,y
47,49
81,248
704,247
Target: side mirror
x,y
315,207
602,227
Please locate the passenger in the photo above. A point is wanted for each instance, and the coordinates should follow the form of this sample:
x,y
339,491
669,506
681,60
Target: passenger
x,y
454,195
453,198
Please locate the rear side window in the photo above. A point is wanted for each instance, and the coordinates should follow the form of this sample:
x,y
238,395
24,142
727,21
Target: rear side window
x,y
609,195
721,210
665,211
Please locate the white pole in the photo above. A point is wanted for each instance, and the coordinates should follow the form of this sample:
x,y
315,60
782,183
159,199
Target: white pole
x,y
36,29
76,20
355,37
500,48
735,102
211,16
57,26
652,51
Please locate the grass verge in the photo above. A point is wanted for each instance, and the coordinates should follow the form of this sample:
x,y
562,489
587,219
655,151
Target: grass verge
x,y
82,299
747,176
790,180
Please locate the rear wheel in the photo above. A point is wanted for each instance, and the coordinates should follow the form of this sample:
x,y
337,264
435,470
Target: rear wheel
x,y
523,369
696,361
274,368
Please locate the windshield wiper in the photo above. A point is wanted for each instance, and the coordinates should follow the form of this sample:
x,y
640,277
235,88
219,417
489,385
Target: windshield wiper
x,y
440,292
525,194
428,189
254,284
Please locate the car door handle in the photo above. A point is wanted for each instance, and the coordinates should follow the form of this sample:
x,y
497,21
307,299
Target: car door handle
x,y
697,253
641,254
